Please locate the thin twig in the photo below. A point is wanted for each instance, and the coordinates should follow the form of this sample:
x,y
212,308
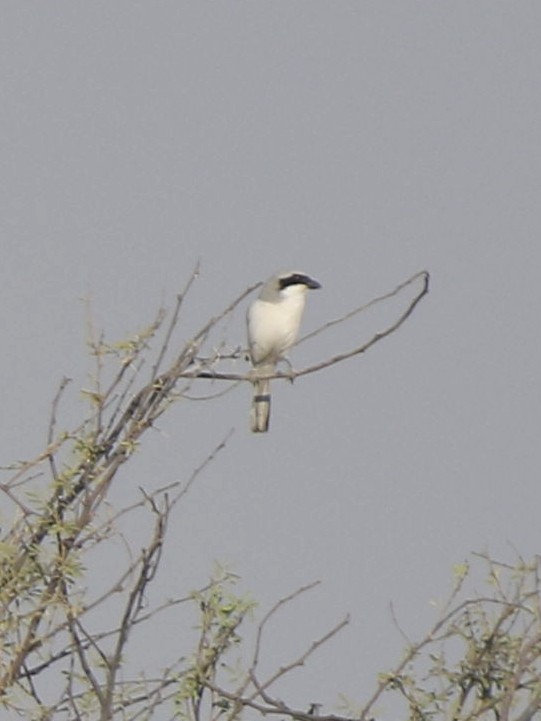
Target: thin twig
x,y
52,424
360,309
283,670
174,320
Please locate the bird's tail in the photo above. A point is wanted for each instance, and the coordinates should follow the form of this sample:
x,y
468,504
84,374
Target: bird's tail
x,y
260,413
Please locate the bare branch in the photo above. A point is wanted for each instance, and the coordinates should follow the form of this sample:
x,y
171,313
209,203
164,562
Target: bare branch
x,y
358,350
421,275
300,661
174,320
277,606
52,423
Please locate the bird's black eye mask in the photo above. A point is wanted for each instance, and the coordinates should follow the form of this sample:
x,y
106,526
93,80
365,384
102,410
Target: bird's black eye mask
x,y
298,279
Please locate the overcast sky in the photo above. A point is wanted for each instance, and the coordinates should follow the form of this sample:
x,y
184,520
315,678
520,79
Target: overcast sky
x,y
359,142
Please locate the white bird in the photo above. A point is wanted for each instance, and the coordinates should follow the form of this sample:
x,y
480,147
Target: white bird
x,y
273,320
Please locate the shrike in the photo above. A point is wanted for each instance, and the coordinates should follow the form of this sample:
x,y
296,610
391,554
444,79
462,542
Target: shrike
x,y
273,320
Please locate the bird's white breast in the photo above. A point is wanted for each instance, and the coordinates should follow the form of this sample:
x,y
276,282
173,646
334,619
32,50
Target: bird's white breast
x,y
273,327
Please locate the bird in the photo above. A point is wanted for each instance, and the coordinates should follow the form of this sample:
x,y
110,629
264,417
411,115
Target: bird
x,y
273,322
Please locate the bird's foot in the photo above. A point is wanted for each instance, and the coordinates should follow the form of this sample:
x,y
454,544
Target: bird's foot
x,y
290,373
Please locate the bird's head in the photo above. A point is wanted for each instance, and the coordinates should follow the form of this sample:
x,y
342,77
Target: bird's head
x,y
288,284
290,278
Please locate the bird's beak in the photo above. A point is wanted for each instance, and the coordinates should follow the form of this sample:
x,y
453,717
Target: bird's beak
x,y
311,283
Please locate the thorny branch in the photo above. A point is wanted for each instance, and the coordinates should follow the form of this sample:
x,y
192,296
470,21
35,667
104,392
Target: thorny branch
x,y
497,676
45,613
47,617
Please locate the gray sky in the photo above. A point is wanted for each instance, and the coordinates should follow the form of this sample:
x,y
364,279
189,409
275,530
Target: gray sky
x,y
359,142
